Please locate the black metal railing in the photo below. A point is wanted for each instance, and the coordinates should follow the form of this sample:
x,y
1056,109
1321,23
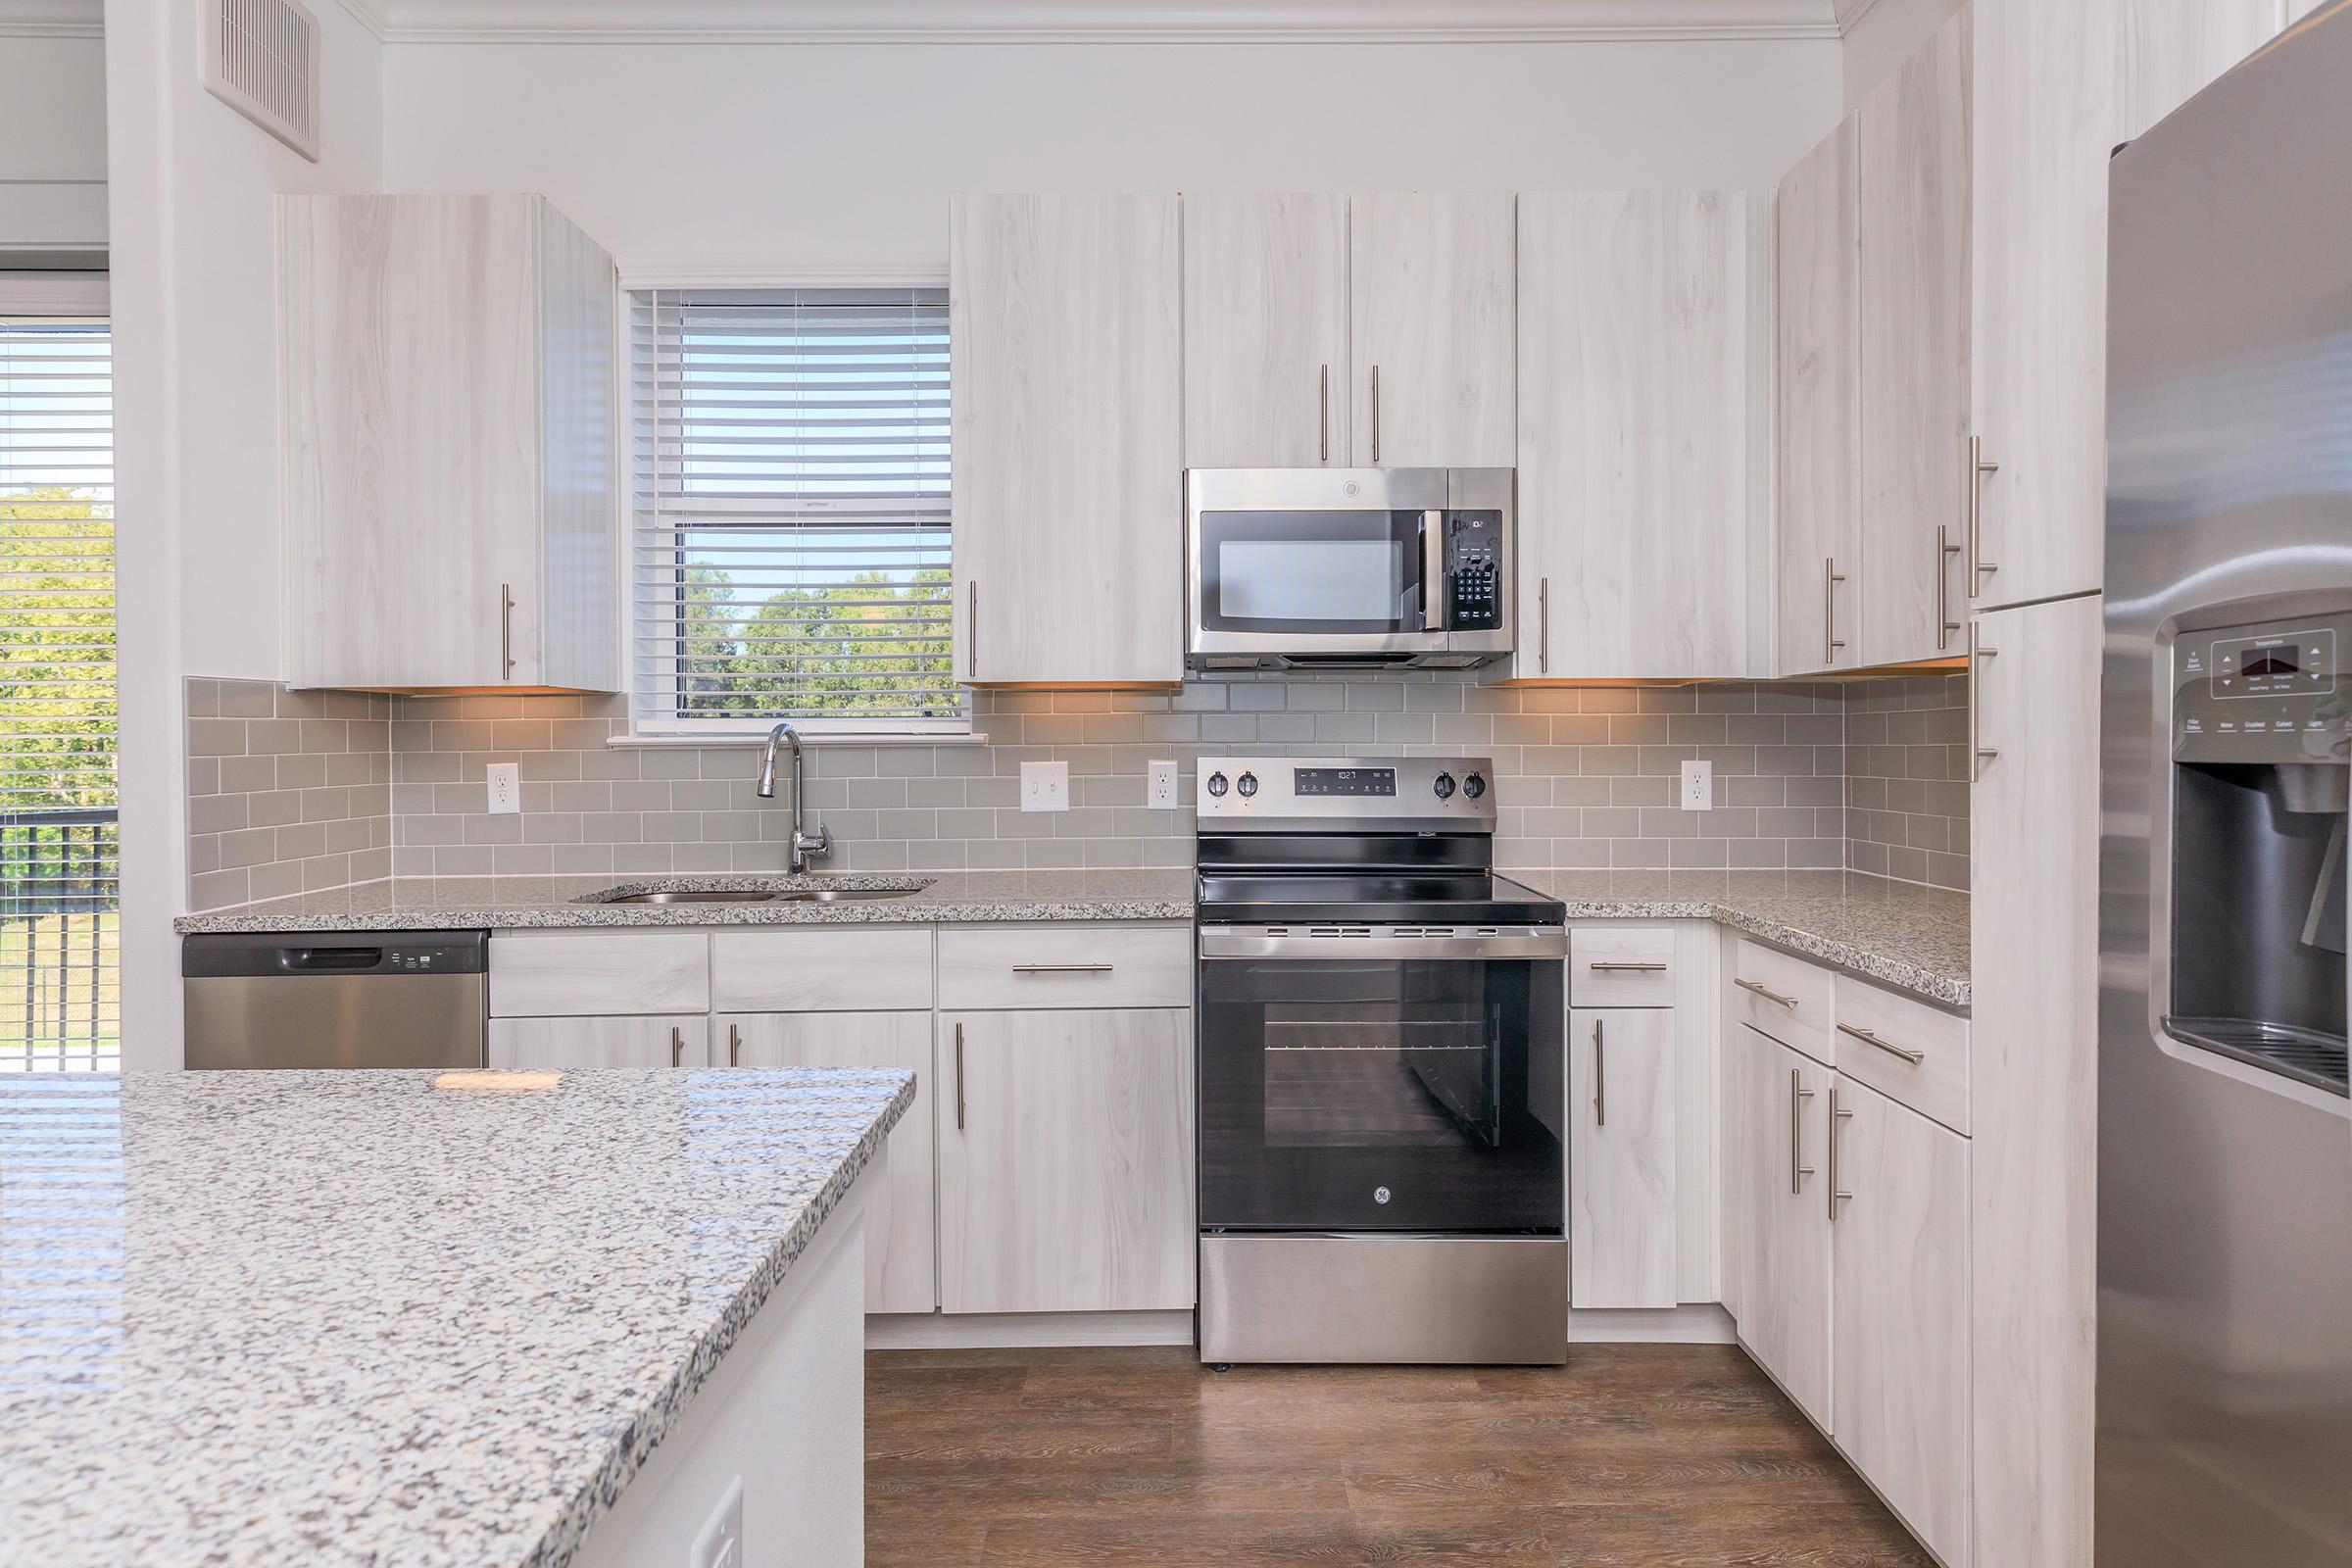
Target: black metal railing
x,y
60,939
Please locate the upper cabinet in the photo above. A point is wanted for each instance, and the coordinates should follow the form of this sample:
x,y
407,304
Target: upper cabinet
x,y
450,496
1643,429
1265,332
1069,438
1434,316
1819,364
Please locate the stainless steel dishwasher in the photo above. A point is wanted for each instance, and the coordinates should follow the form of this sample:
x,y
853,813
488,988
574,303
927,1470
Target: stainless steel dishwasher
x,y
336,998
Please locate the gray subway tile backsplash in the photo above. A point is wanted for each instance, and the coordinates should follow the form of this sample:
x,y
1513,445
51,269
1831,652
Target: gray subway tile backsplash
x,y
288,792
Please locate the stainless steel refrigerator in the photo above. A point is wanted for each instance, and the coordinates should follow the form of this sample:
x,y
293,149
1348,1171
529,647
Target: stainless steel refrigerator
x,y
2224,1354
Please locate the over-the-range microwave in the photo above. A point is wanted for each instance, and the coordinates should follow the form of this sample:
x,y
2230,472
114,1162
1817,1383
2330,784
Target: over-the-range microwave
x,y
1347,567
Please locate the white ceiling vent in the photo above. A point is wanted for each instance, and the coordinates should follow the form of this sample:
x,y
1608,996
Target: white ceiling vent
x,y
260,58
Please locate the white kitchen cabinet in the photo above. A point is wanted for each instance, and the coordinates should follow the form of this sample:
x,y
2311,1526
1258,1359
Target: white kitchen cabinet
x,y
1433,308
900,1229
447,385
1643,427
2173,49
1775,1116
1914,224
2033,1079
651,1039
1819,366
1065,1160
1069,438
542,974
1899,1343
1265,332
1622,1113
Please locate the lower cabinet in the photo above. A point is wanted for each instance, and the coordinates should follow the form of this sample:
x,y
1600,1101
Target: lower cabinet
x,y
898,1227
1622,1156
1065,1160
1778,1222
654,1040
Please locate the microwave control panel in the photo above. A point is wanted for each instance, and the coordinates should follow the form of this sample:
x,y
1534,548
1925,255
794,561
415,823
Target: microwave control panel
x,y
1474,570
2271,691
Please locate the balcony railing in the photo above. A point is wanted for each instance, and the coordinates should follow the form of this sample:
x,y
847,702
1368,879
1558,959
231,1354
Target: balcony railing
x,y
59,939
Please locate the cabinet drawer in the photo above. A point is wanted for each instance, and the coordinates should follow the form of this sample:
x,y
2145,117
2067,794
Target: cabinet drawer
x,y
1781,995
572,974
859,969
1065,966
1880,1030
1621,966
681,1040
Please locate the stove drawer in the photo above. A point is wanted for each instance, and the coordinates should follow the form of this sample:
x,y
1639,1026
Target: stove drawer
x,y
982,967
1621,966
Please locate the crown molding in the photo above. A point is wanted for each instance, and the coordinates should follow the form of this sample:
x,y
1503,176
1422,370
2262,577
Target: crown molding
x,y
1139,21
52,18
373,15
1850,11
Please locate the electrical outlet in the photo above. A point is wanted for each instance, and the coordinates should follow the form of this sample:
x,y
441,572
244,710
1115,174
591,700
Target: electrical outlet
x,y
1698,786
1159,792
1045,786
721,1544
506,789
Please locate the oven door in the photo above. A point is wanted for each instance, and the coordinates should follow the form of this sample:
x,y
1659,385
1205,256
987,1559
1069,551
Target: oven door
x,y
1385,1093
1316,560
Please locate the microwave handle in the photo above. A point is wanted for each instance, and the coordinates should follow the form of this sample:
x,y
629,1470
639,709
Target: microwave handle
x,y
1433,569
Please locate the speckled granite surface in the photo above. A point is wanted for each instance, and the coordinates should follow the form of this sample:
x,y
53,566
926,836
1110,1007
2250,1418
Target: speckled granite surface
x,y
417,903
1907,936
345,1318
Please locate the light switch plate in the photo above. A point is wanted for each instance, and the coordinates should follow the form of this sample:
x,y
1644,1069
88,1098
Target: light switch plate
x,y
506,789
1698,786
1159,792
721,1544
1045,786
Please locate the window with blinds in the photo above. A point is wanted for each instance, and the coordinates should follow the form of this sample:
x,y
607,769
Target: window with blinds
x,y
790,514
58,845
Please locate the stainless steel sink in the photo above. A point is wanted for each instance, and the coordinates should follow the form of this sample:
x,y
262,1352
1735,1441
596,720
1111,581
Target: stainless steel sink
x,y
841,895
758,896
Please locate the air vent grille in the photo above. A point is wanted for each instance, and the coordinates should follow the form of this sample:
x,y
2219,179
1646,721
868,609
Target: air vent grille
x,y
260,58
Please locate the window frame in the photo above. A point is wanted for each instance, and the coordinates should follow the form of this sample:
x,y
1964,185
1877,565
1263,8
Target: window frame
x,y
647,728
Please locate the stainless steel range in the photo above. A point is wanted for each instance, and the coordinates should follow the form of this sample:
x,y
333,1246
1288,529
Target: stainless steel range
x,y
1381,1052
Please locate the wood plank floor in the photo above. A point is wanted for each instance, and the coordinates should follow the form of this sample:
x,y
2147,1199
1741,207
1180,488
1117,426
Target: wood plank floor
x,y
1631,1454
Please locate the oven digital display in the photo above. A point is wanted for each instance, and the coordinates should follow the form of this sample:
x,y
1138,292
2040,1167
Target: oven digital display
x,y
1344,781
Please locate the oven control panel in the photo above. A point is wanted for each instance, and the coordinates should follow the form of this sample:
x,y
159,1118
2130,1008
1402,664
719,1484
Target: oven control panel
x,y
1474,568
2268,691
1454,793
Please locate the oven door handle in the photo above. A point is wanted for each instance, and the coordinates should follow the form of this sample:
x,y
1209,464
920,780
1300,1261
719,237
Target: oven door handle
x,y
1433,569
1383,941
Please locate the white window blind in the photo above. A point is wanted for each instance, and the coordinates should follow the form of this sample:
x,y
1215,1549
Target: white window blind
x,y
59,852
791,512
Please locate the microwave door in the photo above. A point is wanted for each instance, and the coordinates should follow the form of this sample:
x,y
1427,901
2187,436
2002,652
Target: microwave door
x,y
1323,579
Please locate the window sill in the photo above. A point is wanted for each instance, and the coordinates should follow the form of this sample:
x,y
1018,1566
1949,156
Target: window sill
x,y
727,742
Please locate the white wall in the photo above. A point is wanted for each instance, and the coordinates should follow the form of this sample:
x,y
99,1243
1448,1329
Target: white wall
x,y
1885,35
846,154
52,141
189,188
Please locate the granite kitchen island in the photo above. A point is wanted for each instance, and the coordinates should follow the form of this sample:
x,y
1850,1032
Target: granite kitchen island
x,y
409,1318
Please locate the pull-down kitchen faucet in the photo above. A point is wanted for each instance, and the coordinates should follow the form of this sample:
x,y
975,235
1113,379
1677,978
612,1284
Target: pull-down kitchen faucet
x,y
804,845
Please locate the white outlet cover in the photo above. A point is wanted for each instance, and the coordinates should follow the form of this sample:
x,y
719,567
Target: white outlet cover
x,y
1045,786
505,788
721,1544
1698,786
1159,791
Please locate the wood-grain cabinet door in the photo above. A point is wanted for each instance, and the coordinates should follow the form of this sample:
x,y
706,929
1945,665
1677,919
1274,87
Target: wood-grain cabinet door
x,y
1783,1313
1065,1160
1819,366
1900,1338
1265,332
1641,434
1912,136
899,1231
1069,438
1433,309
1622,1153
654,1040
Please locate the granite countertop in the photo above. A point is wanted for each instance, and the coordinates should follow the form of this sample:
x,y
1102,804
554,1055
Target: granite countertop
x,y
487,903
1910,936
344,1318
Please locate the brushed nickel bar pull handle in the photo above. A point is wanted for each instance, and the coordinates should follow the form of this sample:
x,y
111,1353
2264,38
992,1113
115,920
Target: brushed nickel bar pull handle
x,y
1765,992
1798,1095
1836,1116
1628,968
1945,625
677,1045
959,1077
1375,415
505,630
1831,577
1868,1037
971,628
1543,625
1063,968
1978,653
1600,1065
1978,468
734,1045
1323,414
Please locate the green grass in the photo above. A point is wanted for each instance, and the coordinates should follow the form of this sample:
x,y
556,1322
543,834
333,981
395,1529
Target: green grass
x,y
61,993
